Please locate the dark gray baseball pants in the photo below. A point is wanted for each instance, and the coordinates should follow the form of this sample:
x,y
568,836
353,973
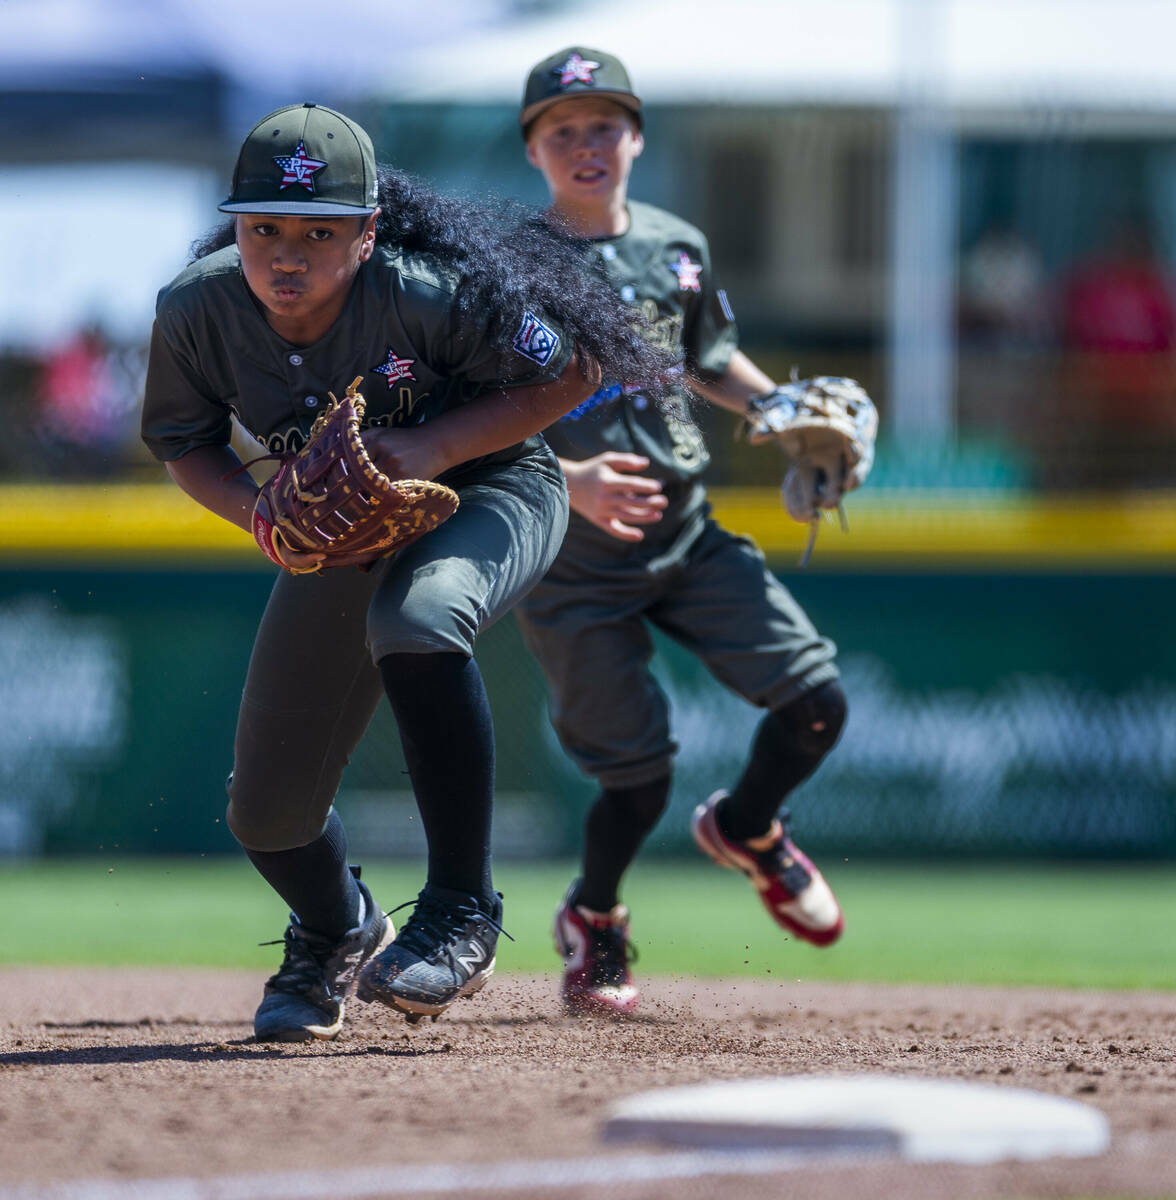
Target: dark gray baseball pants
x,y
588,624
313,685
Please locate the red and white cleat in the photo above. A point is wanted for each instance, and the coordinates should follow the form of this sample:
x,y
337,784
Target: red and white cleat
x,y
790,887
596,952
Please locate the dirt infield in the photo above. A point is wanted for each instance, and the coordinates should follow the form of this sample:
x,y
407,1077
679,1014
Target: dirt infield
x,y
125,1075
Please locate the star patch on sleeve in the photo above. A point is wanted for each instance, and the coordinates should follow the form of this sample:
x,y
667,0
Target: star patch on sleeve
x,y
534,340
395,368
576,70
298,168
687,273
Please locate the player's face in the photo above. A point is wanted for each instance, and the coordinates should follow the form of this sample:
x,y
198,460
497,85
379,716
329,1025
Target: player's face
x,y
301,268
585,149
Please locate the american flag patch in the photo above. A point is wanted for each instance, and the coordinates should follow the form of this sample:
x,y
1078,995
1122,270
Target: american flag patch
x,y
395,368
298,167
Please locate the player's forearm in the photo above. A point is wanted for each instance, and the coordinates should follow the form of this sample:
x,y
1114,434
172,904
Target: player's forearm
x,y
732,390
201,474
500,419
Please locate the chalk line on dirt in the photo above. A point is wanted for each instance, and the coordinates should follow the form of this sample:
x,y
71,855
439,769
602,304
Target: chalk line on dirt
x,y
415,1180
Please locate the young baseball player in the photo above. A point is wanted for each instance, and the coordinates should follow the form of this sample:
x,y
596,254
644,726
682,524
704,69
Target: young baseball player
x,y
642,550
468,341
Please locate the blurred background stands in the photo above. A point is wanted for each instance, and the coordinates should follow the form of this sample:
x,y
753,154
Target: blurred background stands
x,y
867,173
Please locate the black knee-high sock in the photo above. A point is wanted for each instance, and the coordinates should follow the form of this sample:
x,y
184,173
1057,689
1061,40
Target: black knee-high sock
x,y
448,738
314,880
617,823
789,746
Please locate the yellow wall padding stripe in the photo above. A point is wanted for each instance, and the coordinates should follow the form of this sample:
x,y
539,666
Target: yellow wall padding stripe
x,y
1120,529
137,523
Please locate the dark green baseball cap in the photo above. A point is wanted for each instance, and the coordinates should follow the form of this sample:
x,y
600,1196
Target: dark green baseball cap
x,y
577,71
304,161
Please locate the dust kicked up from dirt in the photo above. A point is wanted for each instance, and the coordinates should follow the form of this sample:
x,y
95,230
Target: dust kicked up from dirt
x,y
124,1075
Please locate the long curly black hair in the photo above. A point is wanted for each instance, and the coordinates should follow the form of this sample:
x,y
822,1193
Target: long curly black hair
x,y
510,258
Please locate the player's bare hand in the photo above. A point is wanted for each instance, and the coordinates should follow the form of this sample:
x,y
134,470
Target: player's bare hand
x,y
607,491
406,453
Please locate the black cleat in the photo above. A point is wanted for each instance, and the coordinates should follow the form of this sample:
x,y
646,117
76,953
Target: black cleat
x,y
304,1000
445,950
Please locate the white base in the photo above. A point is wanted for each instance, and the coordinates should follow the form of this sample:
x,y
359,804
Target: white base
x,y
915,1119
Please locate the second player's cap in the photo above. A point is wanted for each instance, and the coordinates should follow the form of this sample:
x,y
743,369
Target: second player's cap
x,y
305,161
576,71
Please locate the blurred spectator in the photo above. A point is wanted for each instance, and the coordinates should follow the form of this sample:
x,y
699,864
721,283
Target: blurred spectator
x,y
1002,289
1120,321
1006,334
85,409
1110,421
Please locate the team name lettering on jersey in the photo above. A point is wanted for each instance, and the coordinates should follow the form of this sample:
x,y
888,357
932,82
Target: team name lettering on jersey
x,y
395,368
661,331
689,447
687,273
298,168
402,414
534,340
289,441
576,70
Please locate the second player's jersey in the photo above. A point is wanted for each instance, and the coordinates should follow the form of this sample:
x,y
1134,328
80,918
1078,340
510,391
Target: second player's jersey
x,y
214,356
661,265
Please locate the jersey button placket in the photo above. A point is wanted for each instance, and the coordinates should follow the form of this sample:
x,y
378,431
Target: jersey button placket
x,y
298,380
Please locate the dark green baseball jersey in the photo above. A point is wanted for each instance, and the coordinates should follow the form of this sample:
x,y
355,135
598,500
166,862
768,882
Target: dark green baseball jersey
x,y
662,266
214,356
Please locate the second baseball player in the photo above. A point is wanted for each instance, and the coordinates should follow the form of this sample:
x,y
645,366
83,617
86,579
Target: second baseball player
x,y
643,551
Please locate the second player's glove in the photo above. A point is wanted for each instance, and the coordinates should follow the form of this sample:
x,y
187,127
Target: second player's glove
x,y
331,499
826,426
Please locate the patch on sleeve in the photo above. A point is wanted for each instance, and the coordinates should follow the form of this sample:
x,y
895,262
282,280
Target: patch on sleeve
x,y
534,340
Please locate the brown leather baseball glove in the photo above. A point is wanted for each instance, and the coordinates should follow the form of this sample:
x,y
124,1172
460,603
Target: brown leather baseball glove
x,y
331,499
826,426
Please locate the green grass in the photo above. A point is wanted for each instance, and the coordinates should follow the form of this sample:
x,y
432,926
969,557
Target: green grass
x,y
1088,926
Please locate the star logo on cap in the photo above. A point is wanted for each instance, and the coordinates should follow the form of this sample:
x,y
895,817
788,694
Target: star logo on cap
x,y
395,368
299,167
687,273
576,70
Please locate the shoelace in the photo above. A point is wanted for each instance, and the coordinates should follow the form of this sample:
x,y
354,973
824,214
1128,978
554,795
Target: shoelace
x,y
793,876
302,968
432,925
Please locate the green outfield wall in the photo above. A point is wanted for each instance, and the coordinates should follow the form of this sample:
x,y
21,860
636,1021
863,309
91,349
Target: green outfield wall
x,y
1016,709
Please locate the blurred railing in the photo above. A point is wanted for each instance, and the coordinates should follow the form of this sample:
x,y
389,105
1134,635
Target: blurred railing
x,y
1028,419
